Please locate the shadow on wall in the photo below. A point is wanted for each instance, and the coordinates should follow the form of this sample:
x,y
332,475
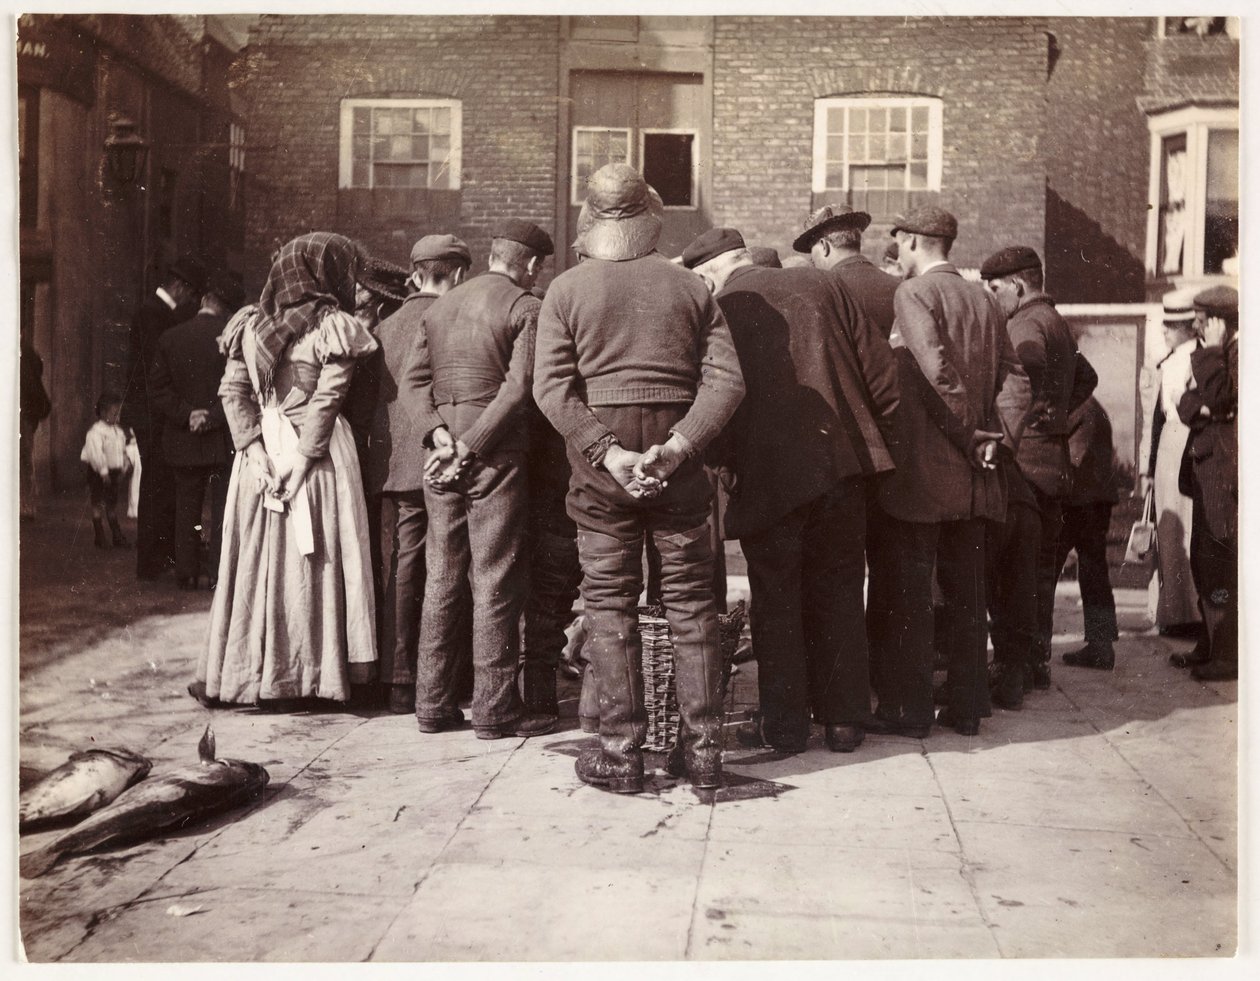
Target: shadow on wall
x,y
1083,263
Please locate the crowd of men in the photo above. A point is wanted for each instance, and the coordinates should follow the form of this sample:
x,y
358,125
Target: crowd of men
x,y
913,431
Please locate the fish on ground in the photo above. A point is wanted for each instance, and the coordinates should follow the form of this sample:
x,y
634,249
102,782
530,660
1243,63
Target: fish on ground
x,y
171,799
86,782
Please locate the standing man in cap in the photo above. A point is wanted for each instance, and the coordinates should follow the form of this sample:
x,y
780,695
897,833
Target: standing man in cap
x,y
637,371
1210,408
833,240
1044,344
473,378
196,443
963,393
810,433
394,471
171,303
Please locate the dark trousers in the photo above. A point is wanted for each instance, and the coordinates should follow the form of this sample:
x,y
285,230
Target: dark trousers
x,y
554,575
104,493
191,485
612,530
403,523
1011,551
155,512
477,533
1214,565
902,620
1048,566
805,574
1085,528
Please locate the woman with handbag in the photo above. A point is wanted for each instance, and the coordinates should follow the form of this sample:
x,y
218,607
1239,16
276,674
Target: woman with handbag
x,y
1174,598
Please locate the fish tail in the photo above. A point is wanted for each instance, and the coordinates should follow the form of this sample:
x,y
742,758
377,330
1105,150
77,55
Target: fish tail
x,y
34,864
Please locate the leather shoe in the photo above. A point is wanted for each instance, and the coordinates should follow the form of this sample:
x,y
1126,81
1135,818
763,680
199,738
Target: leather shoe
x,y
844,738
1092,655
523,727
402,700
618,776
1006,688
751,736
962,726
879,726
453,721
1213,670
1040,673
1196,655
589,723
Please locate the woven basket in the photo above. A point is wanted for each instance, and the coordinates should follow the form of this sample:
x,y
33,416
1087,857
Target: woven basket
x,y
660,697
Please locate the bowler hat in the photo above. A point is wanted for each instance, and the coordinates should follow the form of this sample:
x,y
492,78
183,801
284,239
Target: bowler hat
x,y
621,216
928,220
1179,305
440,247
1218,301
227,286
763,255
191,270
526,233
384,279
1008,261
829,218
711,244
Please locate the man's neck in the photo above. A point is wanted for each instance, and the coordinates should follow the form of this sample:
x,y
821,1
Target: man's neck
x,y
929,266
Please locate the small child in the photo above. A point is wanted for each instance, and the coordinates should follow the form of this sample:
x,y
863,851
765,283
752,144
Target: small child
x,y
105,460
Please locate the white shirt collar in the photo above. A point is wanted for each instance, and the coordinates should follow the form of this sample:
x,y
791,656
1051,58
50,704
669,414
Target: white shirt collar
x,y
166,298
932,265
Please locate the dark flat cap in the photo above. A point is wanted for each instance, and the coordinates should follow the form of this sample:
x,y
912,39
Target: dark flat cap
x,y
440,247
829,218
763,255
892,251
711,244
227,286
928,220
1008,261
1218,301
526,233
191,270
383,279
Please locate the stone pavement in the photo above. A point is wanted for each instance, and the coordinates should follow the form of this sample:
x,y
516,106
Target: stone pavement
x,y
1098,822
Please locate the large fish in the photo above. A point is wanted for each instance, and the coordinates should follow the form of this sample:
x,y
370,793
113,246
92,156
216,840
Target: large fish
x,y
84,783
171,799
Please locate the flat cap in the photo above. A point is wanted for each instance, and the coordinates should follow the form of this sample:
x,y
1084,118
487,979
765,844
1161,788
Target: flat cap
x,y
927,220
711,244
829,218
191,270
440,247
1218,301
763,255
1008,261
1179,305
526,233
227,286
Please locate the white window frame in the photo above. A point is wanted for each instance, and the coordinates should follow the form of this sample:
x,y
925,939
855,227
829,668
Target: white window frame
x,y
573,154
346,168
936,140
1233,28
1195,122
695,161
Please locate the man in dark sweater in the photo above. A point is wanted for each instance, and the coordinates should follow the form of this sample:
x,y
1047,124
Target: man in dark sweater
x,y
184,387
394,473
470,386
171,303
636,369
821,386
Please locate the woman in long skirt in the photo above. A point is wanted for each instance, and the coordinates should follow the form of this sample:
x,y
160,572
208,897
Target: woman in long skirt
x,y
293,614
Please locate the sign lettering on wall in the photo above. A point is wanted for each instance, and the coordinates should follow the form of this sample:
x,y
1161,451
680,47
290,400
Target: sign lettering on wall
x,y
55,56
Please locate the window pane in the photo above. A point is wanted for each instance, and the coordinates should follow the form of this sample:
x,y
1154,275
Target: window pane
x,y
441,120
440,175
919,146
897,120
362,120
667,166
384,122
857,148
1220,239
1172,224
400,148
359,174
420,120
897,147
360,149
919,119
618,148
918,175
896,178
877,148
857,120
835,120
439,147
835,175
879,121
835,148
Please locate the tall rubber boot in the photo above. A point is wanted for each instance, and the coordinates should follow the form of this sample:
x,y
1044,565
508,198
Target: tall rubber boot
x,y
588,702
614,648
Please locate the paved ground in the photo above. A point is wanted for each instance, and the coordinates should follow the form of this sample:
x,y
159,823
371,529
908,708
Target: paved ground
x,y
1098,822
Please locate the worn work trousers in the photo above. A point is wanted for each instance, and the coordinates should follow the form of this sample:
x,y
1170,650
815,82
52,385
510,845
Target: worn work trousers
x,y
554,576
612,530
155,510
1051,510
1085,529
901,620
476,531
805,572
1012,550
191,485
1214,563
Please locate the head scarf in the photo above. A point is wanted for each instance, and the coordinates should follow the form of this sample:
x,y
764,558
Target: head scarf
x,y
309,273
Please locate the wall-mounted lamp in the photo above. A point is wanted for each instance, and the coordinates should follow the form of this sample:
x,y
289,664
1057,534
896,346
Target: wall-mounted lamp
x,y
125,150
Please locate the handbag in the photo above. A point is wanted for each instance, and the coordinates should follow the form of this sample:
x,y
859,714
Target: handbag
x,y
1141,547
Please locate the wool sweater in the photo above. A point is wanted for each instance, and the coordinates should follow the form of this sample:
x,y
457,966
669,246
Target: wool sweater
x,y
639,332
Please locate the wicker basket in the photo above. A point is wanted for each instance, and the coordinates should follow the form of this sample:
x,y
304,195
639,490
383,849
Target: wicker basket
x,y
660,696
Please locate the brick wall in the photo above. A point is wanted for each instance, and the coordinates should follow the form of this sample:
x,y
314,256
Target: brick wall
x,y
989,72
1097,157
504,69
